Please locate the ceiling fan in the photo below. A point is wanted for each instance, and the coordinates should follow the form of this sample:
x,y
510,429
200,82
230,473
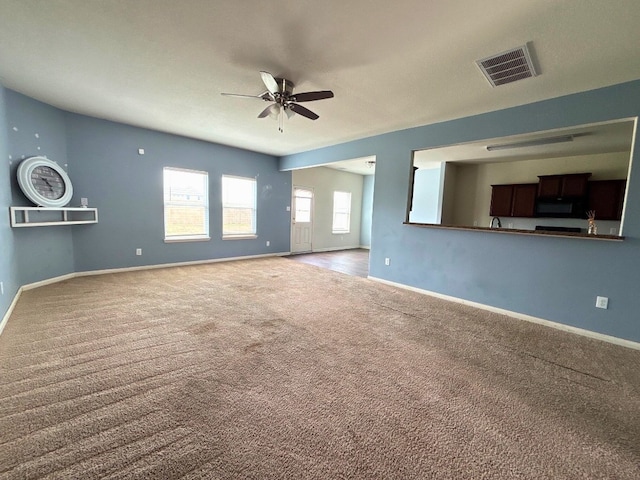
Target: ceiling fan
x,y
280,92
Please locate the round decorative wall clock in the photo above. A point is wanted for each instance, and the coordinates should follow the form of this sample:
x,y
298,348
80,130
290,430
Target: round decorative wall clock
x,y
44,182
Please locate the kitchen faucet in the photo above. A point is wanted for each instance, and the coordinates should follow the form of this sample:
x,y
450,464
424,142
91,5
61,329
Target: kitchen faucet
x,y
494,219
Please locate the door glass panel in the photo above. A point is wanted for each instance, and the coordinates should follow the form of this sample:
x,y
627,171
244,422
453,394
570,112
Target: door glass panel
x,y
303,205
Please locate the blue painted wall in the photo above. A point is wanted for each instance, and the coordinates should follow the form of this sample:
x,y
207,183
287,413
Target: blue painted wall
x,y
103,163
37,129
367,210
551,278
8,266
127,189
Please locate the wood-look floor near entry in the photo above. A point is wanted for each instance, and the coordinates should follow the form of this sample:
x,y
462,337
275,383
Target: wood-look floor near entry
x,y
352,262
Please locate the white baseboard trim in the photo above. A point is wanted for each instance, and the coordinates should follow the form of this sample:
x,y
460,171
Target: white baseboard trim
x,y
520,316
68,276
177,264
48,281
5,319
333,249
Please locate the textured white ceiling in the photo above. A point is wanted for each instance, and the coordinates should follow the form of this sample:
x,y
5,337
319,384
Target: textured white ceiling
x,y
162,64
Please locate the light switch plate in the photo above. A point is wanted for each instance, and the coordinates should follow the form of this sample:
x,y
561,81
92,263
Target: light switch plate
x,y
602,302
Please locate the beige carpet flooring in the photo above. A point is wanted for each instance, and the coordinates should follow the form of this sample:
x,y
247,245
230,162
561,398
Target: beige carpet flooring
x,y
273,369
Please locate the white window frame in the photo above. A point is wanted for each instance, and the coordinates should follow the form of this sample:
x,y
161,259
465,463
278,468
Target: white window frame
x,y
254,207
341,211
168,202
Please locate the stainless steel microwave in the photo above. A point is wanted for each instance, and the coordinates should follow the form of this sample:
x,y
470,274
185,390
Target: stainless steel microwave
x,y
560,207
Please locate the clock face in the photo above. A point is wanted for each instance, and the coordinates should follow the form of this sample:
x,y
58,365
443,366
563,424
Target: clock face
x,y
48,182
44,182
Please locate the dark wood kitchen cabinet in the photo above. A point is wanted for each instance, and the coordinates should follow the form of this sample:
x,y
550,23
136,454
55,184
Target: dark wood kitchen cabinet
x,y
559,186
516,200
501,199
524,200
606,197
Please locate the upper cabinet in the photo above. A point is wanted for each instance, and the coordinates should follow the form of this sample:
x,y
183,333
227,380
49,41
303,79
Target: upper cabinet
x,y
501,200
516,200
606,197
559,186
524,200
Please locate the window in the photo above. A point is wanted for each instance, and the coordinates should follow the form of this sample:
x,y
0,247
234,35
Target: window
x,y
341,212
238,207
186,205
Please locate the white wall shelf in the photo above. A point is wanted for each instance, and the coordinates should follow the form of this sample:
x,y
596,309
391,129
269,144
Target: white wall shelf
x,y
49,216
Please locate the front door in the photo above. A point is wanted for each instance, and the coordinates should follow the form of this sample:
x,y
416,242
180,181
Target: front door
x,y
302,220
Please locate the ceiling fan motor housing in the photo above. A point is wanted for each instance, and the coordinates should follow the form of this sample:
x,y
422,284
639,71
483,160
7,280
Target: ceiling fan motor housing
x,y
285,87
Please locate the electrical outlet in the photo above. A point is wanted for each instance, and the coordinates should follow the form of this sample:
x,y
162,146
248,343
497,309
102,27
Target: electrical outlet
x,y
268,243
141,151
510,225
387,261
138,251
602,302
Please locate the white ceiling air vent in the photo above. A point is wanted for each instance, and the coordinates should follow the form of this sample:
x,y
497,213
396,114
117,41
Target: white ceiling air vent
x,y
507,67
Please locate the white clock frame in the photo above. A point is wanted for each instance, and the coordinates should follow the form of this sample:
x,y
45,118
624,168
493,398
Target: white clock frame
x,y
25,169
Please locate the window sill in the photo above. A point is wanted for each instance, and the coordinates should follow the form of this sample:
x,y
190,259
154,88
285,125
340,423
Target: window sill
x,y
202,238
341,233
239,237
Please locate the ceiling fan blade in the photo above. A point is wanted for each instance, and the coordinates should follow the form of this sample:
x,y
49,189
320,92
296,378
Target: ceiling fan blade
x,y
270,82
311,96
305,112
240,95
266,96
271,110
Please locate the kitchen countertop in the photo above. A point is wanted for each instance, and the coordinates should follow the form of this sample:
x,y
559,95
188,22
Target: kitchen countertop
x,y
515,231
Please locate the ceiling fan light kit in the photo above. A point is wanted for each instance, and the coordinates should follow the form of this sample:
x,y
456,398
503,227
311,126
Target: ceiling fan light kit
x,y
280,92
